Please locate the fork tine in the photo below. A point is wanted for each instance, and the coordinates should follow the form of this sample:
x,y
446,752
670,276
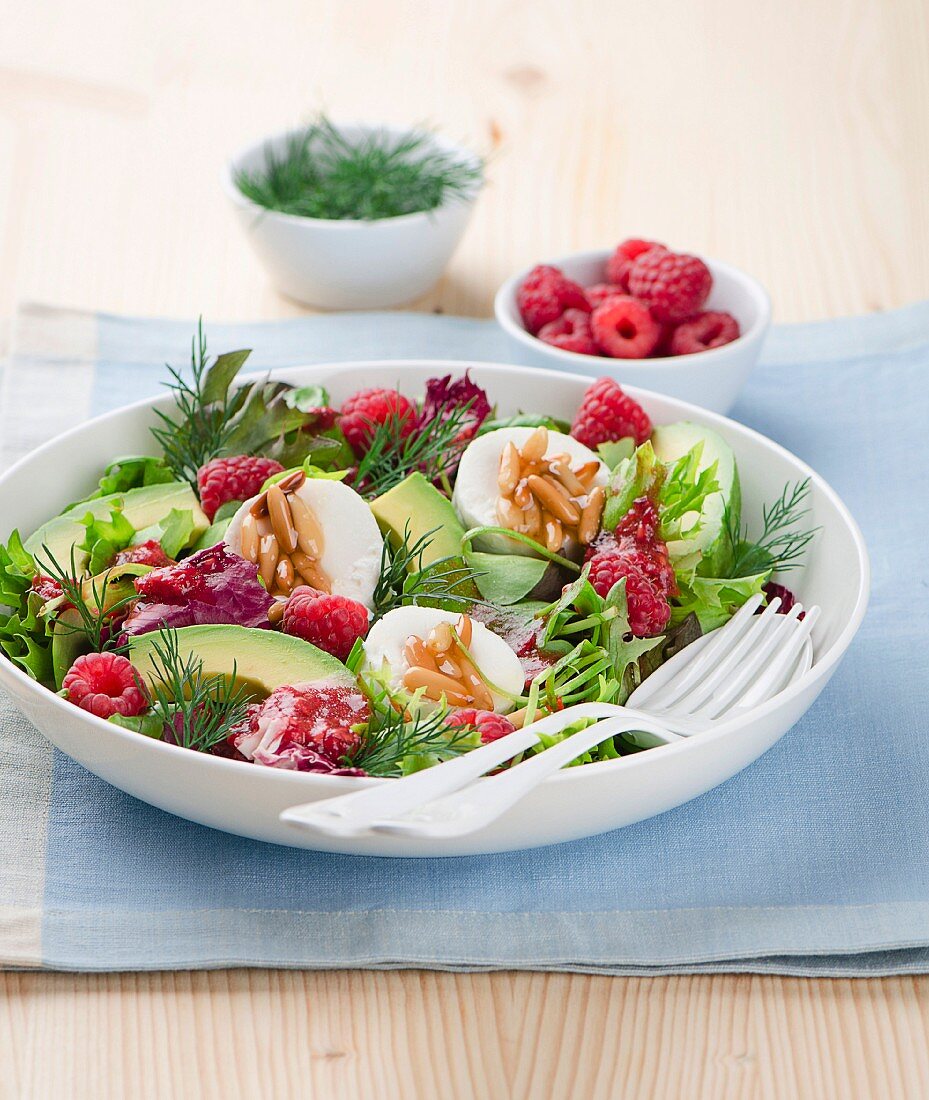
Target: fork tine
x,y
770,682
751,665
723,640
691,698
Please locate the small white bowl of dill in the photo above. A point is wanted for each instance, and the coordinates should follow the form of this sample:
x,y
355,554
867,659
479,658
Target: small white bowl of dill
x,y
354,216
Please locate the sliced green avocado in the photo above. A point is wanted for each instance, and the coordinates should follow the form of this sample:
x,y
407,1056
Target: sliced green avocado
x,y
141,507
416,504
713,540
262,659
69,639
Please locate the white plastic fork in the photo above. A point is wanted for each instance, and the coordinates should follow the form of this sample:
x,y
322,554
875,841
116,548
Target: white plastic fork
x,y
734,668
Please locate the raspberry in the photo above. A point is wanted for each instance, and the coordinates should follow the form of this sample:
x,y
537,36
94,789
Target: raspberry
x,y
639,523
332,623
706,330
571,332
491,726
367,408
545,294
599,292
606,413
304,727
673,284
624,328
46,588
105,684
648,607
146,553
620,263
235,478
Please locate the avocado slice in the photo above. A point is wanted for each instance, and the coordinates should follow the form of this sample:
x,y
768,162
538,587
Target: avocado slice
x,y
142,507
713,540
263,659
416,504
69,640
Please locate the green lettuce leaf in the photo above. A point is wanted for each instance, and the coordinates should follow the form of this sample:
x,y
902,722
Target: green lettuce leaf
x,y
307,398
505,579
105,537
714,600
17,568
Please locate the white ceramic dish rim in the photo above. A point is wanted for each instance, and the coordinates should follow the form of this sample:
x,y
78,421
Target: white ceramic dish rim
x,y
227,179
820,667
506,298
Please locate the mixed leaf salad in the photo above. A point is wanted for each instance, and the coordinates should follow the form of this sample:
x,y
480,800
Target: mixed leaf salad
x,y
376,588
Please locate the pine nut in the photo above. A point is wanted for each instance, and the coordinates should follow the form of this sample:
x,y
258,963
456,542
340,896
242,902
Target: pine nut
x,y
307,526
566,476
509,514
535,446
250,538
552,500
465,629
276,612
268,553
436,685
590,518
475,683
310,571
441,638
281,520
521,495
284,575
586,473
447,665
554,532
417,653
292,482
260,506
533,519
508,475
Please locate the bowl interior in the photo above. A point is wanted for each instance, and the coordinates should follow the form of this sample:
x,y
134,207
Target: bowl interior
x,y
835,574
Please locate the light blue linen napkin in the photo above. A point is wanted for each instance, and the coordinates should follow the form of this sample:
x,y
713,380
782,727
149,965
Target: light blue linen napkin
x,y
815,860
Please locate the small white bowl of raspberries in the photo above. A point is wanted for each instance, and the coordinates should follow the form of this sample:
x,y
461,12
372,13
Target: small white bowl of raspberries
x,y
667,321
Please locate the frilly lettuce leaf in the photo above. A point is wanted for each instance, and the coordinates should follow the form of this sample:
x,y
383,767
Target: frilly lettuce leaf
x,y
17,568
714,600
104,537
128,472
25,640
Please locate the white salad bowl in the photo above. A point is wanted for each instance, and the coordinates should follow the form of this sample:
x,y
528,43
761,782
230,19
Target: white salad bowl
x,y
247,799
710,378
345,263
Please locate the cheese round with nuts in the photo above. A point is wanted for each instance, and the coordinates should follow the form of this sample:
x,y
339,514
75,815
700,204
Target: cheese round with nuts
x,y
540,483
443,654
314,531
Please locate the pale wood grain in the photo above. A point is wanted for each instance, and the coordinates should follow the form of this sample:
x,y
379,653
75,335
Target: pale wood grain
x,y
379,1036
792,139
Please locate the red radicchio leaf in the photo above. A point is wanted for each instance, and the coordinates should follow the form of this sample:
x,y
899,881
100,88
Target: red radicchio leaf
x,y
213,586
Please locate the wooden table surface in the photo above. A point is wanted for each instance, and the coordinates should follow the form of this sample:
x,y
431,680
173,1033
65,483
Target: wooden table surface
x,y
790,138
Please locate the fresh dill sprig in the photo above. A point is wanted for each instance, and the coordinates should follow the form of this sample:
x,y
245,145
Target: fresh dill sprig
x,y
780,545
396,734
394,452
404,580
92,598
203,420
198,711
323,174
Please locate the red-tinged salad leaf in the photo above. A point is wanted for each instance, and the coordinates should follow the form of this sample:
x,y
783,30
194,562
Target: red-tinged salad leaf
x,y
444,396
212,586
